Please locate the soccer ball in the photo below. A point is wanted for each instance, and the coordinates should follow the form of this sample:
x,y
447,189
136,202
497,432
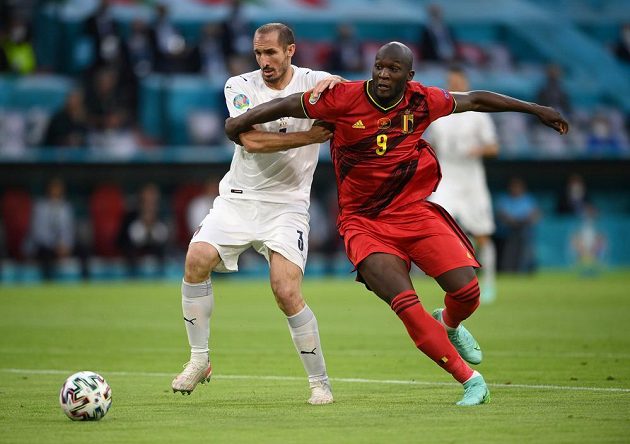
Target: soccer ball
x,y
85,396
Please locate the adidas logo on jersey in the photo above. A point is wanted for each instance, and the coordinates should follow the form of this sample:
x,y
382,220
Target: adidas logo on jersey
x,y
358,125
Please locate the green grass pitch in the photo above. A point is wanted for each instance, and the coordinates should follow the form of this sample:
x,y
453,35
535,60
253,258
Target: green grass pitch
x,y
556,355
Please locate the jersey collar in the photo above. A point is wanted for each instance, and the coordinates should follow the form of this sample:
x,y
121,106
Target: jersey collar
x,y
375,103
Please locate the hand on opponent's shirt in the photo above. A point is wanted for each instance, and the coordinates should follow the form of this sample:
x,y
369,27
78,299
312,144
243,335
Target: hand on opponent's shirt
x,y
327,83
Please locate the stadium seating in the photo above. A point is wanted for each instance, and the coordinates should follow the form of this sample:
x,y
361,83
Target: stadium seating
x,y
182,197
15,208
107,209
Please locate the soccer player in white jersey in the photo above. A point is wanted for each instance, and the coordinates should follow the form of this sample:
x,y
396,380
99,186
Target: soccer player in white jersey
x,y
461,141
263,203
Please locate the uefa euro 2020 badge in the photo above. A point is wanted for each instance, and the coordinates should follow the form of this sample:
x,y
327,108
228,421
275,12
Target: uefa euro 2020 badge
x,y
312,99
241,102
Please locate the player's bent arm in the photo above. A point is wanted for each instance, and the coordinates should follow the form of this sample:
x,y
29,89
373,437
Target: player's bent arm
x,y
490,102
256,141
290,106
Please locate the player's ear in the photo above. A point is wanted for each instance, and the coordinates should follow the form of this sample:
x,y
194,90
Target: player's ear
x,y
291,49
411,74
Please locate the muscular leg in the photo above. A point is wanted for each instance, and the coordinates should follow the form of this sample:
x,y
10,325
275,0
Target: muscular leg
x,y
197,304
197,296
462,295
286,282
388,277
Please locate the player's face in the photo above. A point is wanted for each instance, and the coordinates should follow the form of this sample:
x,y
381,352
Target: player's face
x,y
389,77
273,59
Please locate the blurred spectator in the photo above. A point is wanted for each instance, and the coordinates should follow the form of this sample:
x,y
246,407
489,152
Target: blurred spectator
x,y
208,57
103,98
499,57
574,198
16,50
514,136
111,126
169,46
319,234
437,43
53,229
236,33
205,127
622,46
347,53
601,140
68,126
323,237
139,49
589,243
13,130
517,213
552,92
199,207
104,32
144,235
236,40
117,140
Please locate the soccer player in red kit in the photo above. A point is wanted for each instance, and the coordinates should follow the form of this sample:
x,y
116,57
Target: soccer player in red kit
x,y
384,173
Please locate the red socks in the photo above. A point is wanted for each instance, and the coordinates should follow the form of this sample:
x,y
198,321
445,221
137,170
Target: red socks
x,y
461,304
429,336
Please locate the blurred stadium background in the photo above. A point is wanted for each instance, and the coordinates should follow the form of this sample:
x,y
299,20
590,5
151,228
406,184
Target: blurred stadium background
x,y
118,107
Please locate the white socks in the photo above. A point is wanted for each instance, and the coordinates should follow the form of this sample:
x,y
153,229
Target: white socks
x,y
474,375
197,304
305,334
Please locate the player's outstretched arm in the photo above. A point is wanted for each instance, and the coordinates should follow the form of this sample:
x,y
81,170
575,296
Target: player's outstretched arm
x,y
290,106
490,102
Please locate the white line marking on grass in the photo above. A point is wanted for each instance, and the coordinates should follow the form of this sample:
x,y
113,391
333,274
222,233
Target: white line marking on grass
x,y
348,380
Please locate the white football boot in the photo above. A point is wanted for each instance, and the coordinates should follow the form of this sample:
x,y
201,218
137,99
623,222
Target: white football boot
x,y
321,393
193,374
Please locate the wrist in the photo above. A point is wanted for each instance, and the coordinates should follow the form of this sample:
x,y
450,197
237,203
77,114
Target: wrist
x,y
536,108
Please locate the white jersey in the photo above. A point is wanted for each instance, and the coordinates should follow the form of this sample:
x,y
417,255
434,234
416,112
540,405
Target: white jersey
x,y
463,190
281,177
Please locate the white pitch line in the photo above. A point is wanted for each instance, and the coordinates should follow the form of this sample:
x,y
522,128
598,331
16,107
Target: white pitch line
x,y
349,380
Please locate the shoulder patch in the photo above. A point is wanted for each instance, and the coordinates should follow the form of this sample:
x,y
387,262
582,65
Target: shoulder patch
x,y
312,99
446,93
241,101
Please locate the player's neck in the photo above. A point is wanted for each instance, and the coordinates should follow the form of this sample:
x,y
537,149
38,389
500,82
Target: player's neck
x,y
282,82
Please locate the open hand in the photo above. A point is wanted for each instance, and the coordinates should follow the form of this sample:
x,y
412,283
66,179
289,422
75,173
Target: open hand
x,y
552,119
327,83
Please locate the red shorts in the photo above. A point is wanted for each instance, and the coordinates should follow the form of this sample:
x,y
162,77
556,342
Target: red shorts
x,y
421,232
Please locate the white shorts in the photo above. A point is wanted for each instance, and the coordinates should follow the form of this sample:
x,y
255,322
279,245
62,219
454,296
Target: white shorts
x,y
473,212
234,225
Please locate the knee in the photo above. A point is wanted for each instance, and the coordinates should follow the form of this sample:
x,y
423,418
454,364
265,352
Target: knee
x,y
200,261
456,280
468,292
288,296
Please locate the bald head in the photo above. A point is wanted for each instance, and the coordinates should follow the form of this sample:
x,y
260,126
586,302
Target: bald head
x,y
396,51
391,71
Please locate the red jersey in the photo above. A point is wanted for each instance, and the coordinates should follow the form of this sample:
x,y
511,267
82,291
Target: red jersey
x,y
380,160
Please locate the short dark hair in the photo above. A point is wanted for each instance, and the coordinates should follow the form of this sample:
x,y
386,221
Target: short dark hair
x,y
285,34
